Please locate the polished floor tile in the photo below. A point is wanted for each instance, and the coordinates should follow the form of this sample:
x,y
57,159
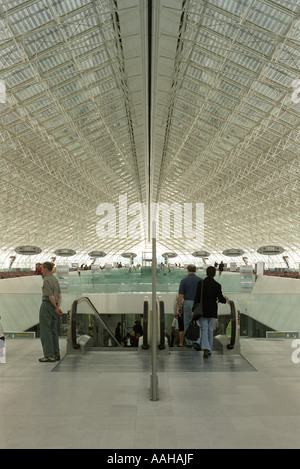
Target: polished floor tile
x,y
102,399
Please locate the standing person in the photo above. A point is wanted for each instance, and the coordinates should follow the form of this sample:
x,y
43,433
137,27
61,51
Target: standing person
x,y
174,331
49,314
138,328
134,340
221,267
212,293
2,344
185,301
118,334
175,326
179,314
38,269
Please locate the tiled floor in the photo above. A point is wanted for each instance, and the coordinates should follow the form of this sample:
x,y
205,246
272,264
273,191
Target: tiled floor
x,y
102,399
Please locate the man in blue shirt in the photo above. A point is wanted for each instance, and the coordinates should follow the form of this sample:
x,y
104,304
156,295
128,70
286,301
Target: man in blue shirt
x,y
185,301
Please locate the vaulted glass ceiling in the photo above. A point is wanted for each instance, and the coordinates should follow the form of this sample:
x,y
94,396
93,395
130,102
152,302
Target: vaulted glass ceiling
x,y
114,106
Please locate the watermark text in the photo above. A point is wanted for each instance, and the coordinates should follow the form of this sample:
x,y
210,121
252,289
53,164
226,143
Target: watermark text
x,y
178,221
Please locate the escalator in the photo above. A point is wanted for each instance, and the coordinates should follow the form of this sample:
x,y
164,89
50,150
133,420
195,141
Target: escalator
x,y
234,326
161,324
228,335
87,329
147,325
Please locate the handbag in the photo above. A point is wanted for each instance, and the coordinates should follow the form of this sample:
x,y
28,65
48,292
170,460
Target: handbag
x,y
198,309
193,331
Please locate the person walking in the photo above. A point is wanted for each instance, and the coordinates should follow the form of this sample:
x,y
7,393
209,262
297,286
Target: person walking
x,y
212,293
2,344
174,331
179,315
118,334
49,314
185,302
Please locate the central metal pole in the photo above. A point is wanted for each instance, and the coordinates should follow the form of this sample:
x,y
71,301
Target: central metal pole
x,y
154,383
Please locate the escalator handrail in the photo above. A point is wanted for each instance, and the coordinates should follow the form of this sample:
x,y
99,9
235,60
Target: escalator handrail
x,y
145,325
161,323
73,320
161,310
233,316
73,325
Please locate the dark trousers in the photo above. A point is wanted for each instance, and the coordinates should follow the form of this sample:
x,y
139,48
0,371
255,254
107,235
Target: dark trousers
x,y
49,329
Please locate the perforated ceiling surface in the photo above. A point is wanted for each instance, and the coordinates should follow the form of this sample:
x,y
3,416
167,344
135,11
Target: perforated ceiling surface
x,y
162,102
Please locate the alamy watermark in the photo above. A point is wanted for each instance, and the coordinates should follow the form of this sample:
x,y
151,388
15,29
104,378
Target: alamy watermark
x,y
296,92
179,221
295,354
2,351
2,92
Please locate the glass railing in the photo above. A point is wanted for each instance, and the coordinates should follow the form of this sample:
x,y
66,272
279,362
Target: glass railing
x,y
140,281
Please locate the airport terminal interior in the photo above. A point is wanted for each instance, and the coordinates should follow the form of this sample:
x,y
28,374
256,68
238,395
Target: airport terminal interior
x,y
139,137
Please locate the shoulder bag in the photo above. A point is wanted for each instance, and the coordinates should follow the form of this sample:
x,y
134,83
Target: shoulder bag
x,y
198,310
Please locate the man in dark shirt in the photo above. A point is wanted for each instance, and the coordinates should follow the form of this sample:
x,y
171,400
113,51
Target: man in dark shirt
x,y
212,294
185,301
49,315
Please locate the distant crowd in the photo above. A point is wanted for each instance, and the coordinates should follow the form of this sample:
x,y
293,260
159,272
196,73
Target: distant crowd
x,y
85,267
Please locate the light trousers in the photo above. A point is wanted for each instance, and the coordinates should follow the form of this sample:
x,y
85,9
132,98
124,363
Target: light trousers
x,y
207,333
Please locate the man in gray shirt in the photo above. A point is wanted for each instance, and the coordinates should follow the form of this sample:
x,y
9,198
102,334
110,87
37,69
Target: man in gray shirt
x,y
49,315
